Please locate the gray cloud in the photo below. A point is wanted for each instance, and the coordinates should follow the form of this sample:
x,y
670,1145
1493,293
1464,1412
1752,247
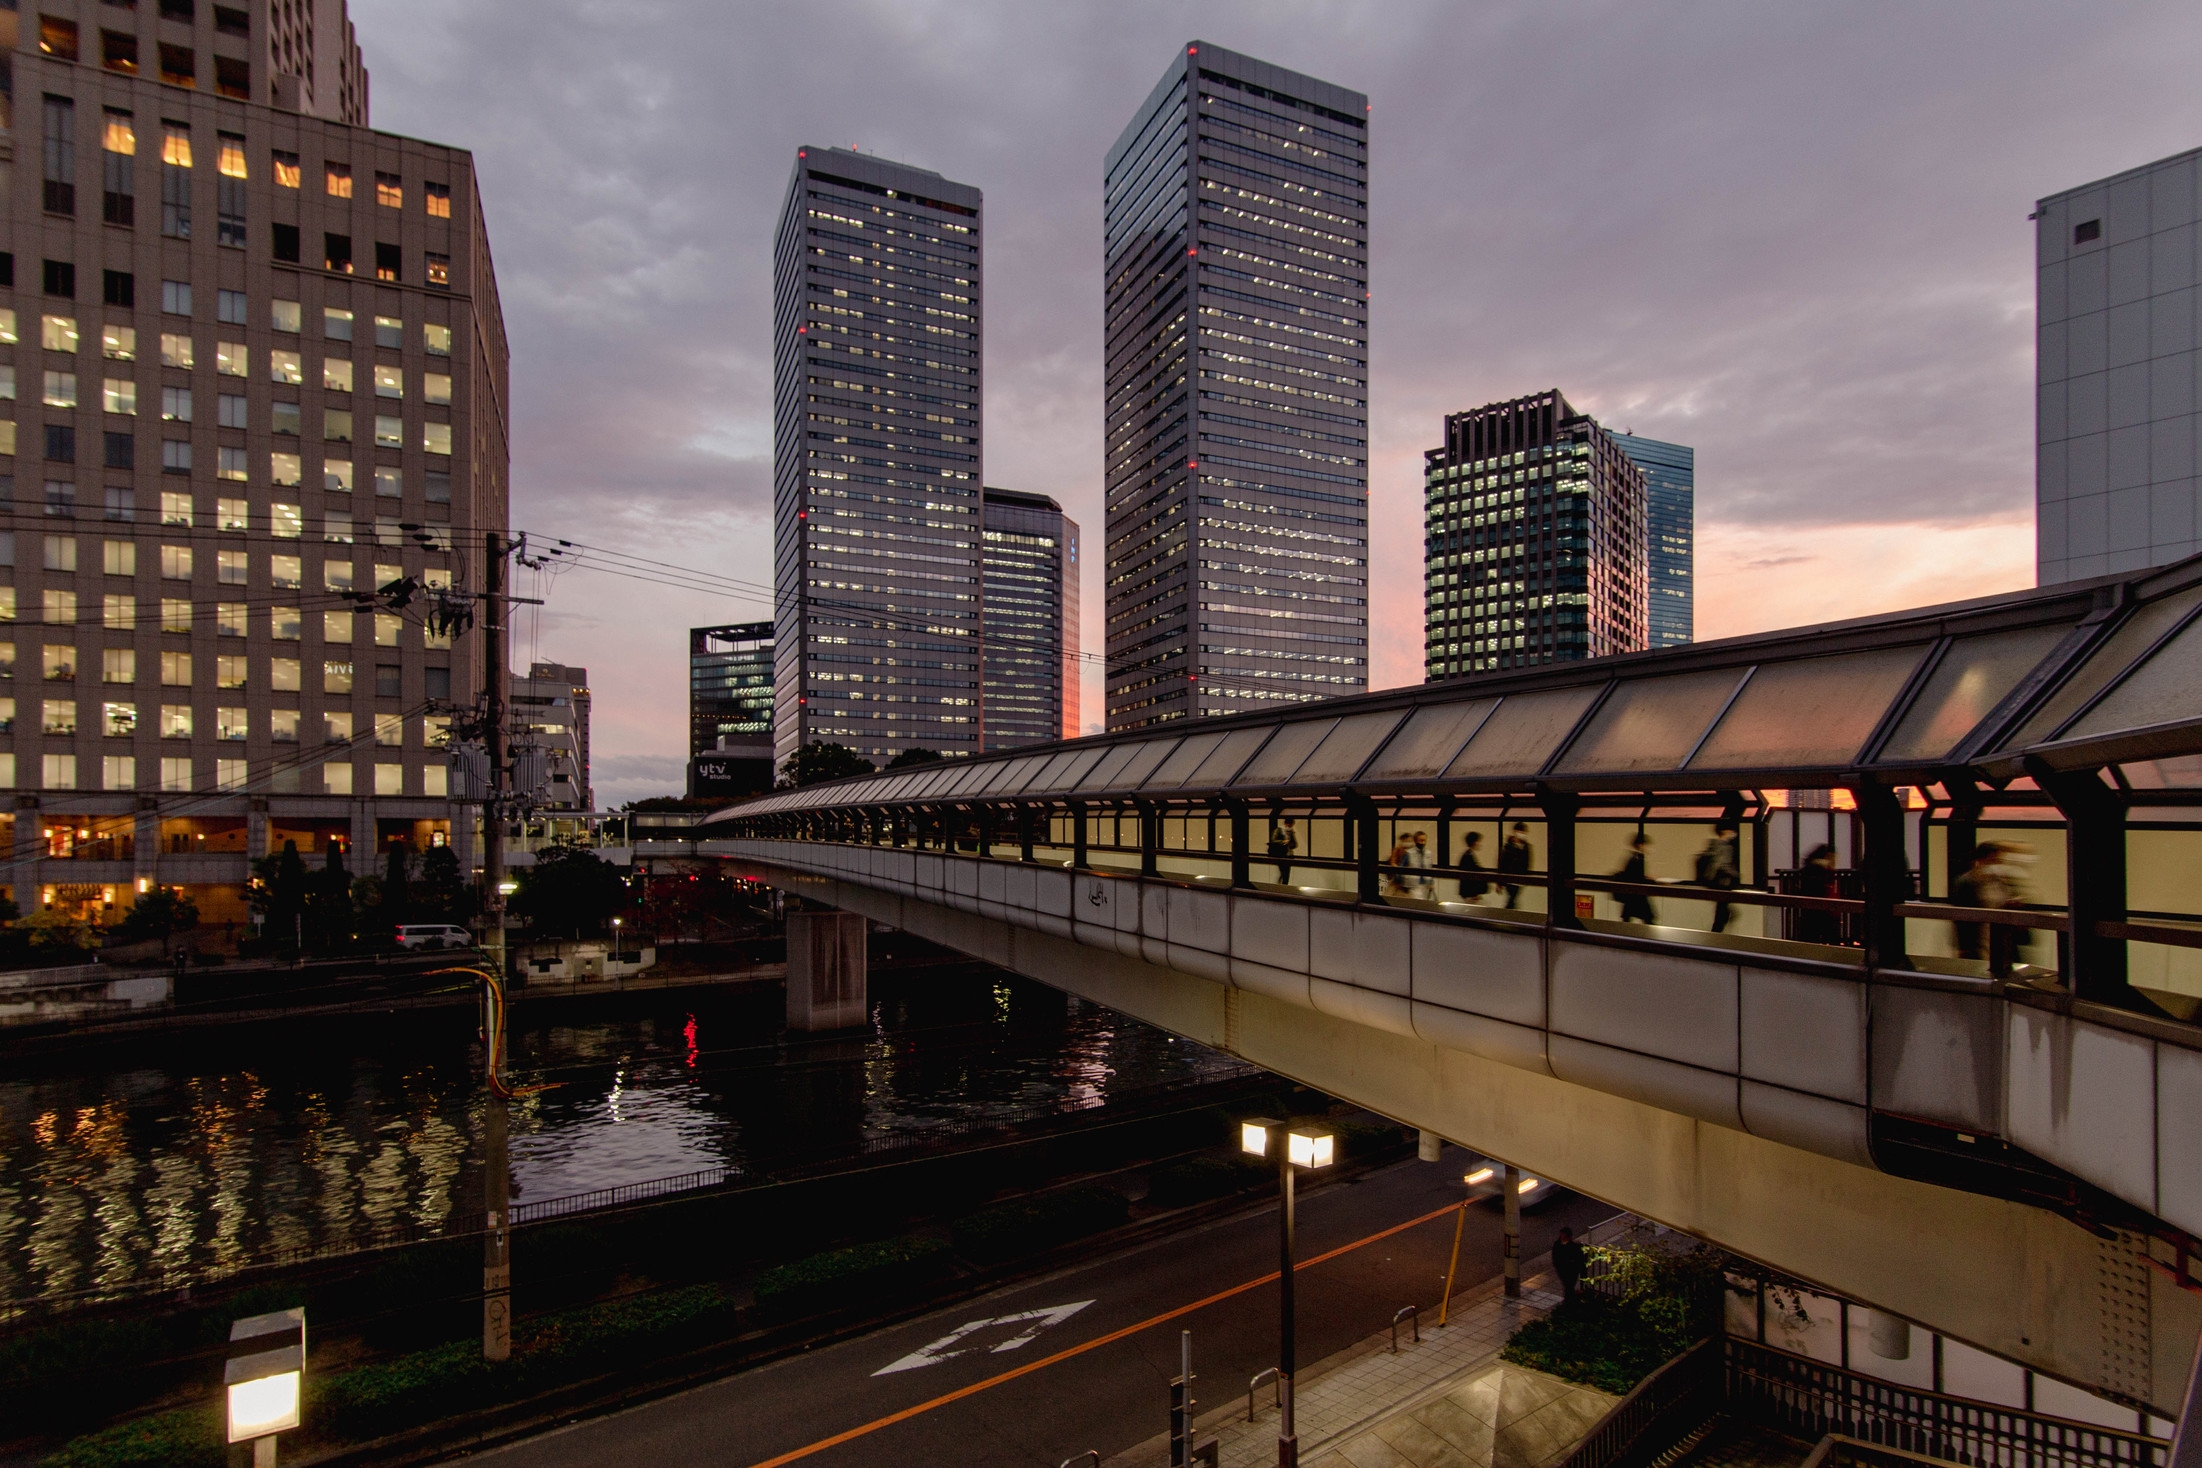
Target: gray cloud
x,y
1794,237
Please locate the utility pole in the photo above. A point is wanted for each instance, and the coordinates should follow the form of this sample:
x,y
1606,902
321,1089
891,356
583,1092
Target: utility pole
x,y
497,1170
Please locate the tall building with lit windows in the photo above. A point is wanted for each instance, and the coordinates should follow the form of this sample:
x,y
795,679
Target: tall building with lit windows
x,y
1670,537
876,519
1031,641
1235,242
253,368
1534,529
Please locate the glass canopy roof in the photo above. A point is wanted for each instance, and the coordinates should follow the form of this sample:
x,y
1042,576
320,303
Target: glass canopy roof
x,y
2082,676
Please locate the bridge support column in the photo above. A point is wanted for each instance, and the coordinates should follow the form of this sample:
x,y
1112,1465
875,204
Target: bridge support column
x,y
1559,857
1888,875
2095,879
1511,1180
1242,850
1365,834
1150,840
1078,862
1025,820
828,975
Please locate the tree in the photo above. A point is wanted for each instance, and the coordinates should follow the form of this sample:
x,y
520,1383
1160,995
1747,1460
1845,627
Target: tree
x,y
441,892
818,761
328,904
397,882
160,912
910,757
279,895
570,892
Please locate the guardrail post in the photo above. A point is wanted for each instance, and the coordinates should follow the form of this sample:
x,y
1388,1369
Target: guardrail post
x,y
1150,839
1888,875
1361,811
1024,834
1242,849
1559,808
2095,881
1078,862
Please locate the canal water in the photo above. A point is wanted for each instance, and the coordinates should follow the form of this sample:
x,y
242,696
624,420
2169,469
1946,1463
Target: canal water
x,y
216,1149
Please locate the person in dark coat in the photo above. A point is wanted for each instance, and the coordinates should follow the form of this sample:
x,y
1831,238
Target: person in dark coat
x,y
1817,879
1719,868
1567,1262
1516,856
1284,839
1472,886
1636,906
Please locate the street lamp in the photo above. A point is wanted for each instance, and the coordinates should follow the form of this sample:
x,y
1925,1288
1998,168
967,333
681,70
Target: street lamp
x,y
267,1361
1297,1147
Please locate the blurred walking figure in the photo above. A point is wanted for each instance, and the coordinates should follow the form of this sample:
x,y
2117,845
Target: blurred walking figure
x,y
1417,856
1636,907
1395,882
1994,880
1515,856
1717,868
1817,879
1283,841
1472,886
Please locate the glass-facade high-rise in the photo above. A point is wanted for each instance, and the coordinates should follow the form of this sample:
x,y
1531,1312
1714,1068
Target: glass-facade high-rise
x,y
1235,245
876,459
2117,412
1533,541
729,685
1670,536
1031,636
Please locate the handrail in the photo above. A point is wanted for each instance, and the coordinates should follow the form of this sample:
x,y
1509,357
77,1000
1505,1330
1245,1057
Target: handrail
x,y
1664,1408
1269,1374
1411,1313
1093,1453
1811,1399
1844,1451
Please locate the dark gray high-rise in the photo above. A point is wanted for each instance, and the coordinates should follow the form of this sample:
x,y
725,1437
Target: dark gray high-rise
x,y
1670,537
1031,620
876,459
1236,258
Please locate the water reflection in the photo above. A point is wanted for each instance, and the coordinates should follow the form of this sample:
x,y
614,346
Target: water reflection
x,y
248,1145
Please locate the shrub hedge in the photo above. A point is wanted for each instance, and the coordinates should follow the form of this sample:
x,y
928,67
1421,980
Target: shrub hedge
x,y
1197,1179
1028,1225
844,1276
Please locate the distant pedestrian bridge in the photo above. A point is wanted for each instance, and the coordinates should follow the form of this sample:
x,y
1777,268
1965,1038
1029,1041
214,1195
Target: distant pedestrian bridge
x,y
1906,1000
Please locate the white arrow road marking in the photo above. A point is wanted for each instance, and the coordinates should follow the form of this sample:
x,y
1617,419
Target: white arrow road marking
x,y
946,1348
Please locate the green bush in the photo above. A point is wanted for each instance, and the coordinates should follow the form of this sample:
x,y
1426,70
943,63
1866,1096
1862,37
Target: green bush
x,y
842,1276
190,1437
1028,1225
1196,1180
1652,1304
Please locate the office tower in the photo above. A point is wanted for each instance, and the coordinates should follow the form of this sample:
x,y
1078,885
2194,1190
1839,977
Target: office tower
x,y
730,685
1031,638
1236,254
876,459
258,371
1534,540
550,719
2116,414
1670,537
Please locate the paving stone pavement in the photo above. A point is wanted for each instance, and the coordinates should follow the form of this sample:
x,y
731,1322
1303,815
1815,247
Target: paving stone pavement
x,y
1445,1403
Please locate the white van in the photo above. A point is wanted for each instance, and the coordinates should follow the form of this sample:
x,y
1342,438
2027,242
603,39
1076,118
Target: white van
x,y
433,935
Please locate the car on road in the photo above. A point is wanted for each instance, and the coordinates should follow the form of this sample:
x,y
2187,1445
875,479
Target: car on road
x,y
1486,1179
433,935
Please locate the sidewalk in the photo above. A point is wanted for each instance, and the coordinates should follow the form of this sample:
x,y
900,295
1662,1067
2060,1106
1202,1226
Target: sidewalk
x,y
1446,1403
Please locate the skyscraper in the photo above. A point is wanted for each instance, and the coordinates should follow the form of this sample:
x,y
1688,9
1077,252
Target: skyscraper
x,y
1031,620
550,720
730,686
2117,415
1534,540
262,373
1670,536
876,459
1236,424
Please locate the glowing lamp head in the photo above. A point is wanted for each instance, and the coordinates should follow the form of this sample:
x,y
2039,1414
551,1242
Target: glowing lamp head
x,y
1312,1147
1480,1176
1254,1135
1528,1184
508,887
264,1373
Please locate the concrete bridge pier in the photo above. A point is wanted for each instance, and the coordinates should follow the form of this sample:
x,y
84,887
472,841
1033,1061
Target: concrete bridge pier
x,y
828,974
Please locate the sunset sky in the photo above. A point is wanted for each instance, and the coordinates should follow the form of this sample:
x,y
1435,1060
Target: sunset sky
x,y
1794,237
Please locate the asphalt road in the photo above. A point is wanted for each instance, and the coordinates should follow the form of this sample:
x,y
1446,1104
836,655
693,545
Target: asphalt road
x,y
1111,1396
